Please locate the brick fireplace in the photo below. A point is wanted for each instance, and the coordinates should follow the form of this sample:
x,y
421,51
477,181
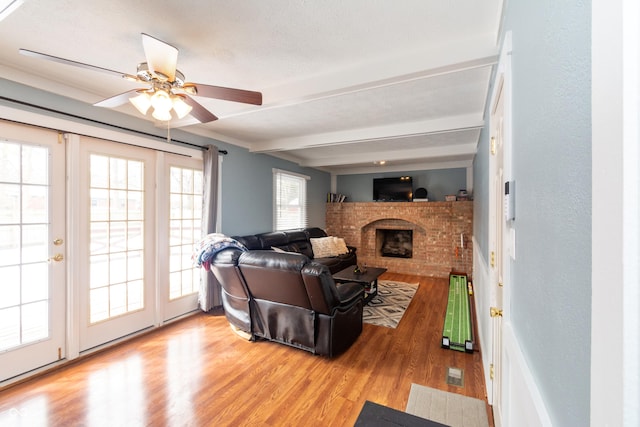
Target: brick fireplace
x,y
440,234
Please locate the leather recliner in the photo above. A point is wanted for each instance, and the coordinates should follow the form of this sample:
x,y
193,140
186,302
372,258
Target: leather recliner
x,y
290,300
235,296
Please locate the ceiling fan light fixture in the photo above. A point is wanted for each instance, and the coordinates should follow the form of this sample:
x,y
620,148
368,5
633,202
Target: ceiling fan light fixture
x,y
161,115
142,102
161,101
180,107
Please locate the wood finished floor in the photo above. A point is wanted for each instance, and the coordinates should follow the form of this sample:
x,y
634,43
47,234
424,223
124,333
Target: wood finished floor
x,y
198,372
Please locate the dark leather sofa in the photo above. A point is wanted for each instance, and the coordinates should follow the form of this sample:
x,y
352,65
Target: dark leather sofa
x,y
298,241
290,299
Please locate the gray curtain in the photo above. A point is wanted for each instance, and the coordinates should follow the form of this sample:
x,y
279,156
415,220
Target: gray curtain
x,y
210,290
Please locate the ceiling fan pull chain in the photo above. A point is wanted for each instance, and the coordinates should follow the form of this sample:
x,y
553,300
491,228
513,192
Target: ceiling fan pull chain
x,y
168,132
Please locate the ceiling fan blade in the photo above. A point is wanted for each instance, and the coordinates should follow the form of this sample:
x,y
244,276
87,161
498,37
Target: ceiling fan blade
x,y
161,57
59,60
226,93
198,111
118,100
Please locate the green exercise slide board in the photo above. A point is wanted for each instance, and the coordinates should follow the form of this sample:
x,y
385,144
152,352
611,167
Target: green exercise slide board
x,y
457,333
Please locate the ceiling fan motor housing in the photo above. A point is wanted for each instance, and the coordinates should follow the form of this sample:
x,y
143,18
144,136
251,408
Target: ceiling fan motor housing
x,y
144,73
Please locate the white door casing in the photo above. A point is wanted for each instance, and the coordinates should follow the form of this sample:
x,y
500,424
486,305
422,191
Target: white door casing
x,y
501,231
497,273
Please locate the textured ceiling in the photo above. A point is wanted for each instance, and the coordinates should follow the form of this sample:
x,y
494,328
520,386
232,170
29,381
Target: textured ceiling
x,y
344,83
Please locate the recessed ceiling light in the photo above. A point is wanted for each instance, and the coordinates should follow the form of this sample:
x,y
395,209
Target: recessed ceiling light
x,y
379,162
8,6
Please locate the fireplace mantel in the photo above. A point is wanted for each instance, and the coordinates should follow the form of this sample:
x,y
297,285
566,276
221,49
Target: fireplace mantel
x,y
442,234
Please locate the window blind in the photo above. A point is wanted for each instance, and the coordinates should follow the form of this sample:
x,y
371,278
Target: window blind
x,y
289,200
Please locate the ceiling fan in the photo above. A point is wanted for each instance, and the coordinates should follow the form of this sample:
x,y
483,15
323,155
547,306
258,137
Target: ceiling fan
x,y
166,91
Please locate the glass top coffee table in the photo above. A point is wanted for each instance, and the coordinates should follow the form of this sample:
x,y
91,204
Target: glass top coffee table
x,y
368,278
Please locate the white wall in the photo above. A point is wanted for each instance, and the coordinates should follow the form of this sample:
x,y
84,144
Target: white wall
x,y
615,323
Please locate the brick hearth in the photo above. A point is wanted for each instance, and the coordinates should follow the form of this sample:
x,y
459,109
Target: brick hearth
x,y
436,226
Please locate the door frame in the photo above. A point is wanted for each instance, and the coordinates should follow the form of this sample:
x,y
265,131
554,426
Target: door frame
x,y
501,87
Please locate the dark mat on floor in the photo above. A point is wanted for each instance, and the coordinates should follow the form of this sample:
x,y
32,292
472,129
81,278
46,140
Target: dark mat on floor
x,y
376,415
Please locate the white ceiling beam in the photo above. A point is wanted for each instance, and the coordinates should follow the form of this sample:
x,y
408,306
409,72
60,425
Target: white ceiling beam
x,y
391,69
417,166
390,156
374,133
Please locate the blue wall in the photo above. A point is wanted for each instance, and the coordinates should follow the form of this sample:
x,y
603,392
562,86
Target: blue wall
x,y
247,182
550,302
247,192
438,183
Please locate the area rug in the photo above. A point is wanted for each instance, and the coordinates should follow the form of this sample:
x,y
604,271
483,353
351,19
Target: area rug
x,y
447,408
388,307
375,415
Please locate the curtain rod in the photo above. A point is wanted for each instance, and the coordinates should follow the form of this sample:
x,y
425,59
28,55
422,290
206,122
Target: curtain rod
x,y
51,110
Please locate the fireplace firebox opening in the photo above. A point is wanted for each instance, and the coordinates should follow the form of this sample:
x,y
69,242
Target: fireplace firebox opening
x,y
395,243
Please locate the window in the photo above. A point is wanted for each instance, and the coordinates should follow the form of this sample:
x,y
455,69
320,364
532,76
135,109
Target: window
x,y
289,200
116,258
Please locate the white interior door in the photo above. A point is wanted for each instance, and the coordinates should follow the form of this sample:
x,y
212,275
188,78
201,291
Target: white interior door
x,y
32,249
497,261
116,239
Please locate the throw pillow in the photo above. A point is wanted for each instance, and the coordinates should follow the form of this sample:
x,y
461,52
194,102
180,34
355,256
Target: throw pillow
x,y
340,246
322,247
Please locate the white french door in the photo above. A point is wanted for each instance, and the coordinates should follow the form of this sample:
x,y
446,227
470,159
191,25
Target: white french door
x,y
32,249
180,224
116,252
95,242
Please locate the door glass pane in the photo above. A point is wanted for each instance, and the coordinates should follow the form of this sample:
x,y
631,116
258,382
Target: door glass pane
x,y
10,286
35,325
33,287
35,165
35,243
117,244
10,245
24,244
10,157
9,203
185,210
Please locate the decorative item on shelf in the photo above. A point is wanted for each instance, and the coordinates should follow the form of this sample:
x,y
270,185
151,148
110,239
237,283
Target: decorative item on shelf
x,y
420,195
335,198
462,195
450,198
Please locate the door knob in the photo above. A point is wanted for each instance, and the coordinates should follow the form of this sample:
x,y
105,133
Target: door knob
x,y
495,312
57,258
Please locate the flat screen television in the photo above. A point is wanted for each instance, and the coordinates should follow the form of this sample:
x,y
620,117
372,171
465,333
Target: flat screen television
x,y
398,189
